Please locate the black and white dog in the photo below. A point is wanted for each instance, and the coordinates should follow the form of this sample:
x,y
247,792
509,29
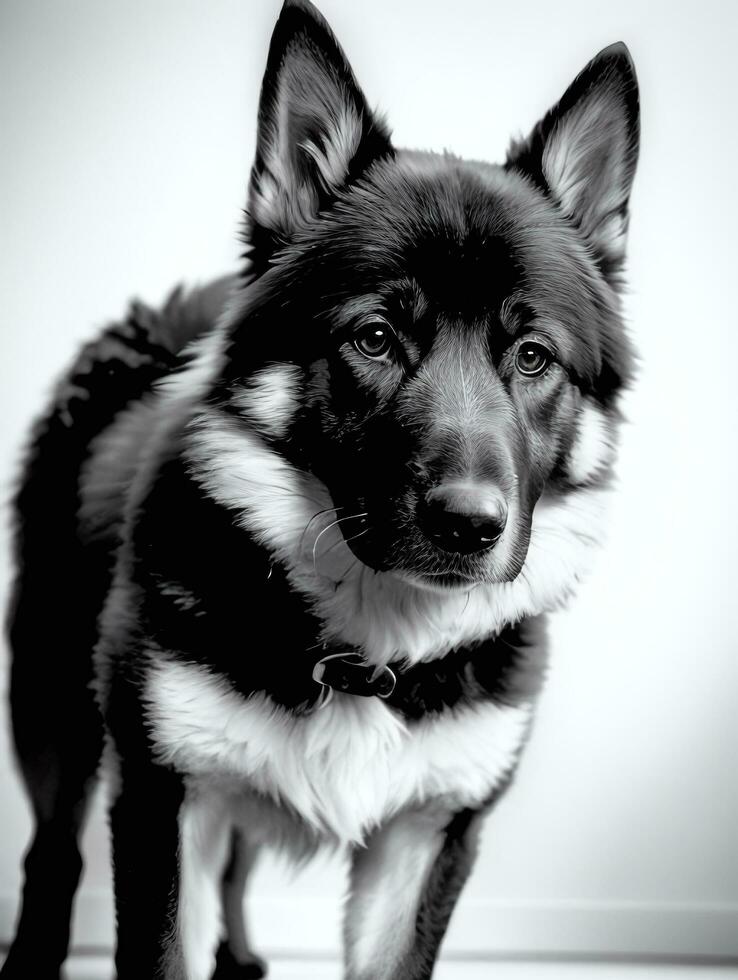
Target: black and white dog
x,y
285,545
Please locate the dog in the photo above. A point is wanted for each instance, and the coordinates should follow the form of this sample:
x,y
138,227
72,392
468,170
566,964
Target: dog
x,y
297,531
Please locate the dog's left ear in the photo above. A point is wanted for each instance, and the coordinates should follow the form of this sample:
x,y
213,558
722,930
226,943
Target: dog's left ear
x,y
315,131
584,153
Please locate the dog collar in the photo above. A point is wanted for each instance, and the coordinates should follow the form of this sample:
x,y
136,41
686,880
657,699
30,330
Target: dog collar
x,y
349,673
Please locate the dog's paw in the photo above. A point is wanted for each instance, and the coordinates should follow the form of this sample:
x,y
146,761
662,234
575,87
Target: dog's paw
x,y
228,968
21,965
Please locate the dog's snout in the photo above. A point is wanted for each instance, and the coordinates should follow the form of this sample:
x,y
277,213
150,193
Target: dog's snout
x,y
463,518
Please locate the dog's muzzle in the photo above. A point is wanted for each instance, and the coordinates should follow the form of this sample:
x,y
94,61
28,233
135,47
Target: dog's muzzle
x,y
463,518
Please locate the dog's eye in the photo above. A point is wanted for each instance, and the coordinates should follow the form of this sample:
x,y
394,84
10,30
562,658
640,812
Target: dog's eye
x,y
374,339
532,358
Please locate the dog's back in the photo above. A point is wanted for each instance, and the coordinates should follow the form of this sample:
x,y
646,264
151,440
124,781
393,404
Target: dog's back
x,y
110,375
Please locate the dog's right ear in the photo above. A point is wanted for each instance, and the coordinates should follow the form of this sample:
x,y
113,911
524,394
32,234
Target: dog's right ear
x,y
315,135
584,152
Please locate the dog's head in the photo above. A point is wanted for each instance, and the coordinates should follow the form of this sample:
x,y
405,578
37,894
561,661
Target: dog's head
x,y
436,341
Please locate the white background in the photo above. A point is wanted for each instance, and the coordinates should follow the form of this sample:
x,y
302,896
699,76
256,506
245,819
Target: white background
x,y
127,133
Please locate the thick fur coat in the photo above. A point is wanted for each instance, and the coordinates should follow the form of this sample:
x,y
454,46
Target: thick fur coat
x,y
297,531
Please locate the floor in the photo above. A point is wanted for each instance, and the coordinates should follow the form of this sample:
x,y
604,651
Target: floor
x,y
94,968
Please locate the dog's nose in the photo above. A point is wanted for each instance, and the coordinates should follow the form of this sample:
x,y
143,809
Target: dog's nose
x,y
463,517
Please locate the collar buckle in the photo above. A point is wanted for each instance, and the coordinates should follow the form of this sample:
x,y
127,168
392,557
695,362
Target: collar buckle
x,y
348,673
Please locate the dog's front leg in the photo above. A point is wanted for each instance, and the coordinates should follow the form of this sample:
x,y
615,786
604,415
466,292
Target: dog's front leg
x,y
404,885
170,844
144,823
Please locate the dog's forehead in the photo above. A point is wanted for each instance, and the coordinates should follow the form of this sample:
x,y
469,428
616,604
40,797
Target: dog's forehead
x,y
472,238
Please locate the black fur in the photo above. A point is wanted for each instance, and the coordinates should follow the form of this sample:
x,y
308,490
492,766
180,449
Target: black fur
x,y
128,543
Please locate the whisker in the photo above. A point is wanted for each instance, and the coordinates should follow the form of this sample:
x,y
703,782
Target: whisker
x,y
315,517
343,540
340,520
353,563
346,540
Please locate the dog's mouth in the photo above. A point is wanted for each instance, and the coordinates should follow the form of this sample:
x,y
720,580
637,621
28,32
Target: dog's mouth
x,y
441,581
410,556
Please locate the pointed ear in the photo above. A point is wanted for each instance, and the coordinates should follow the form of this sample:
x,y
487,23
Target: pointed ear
x,y
315,131
584,153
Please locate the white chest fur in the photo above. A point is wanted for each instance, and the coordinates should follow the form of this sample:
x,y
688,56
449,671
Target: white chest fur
x,y
344,768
